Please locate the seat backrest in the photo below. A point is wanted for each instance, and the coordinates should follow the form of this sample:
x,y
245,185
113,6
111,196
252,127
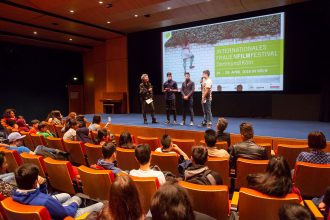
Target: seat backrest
x,y
13,159
257,206
55,143
27,140
76,151
165,161
38,140
207,199
311,179
60,175
221,166
153,142
291,152
268,147
17,211
219,145
59,132
245,167
92,177
147,186
185,145
93,152
126,159
36,160
51,127
117,139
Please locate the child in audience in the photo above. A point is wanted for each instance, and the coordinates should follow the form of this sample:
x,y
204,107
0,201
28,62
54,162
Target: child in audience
x,y
210,138
125,141
21,123
83,131
71,133
221,134
109,158
55,117
143,156
42,130
292,211
323,203
5,188
169,147
59,206
122,206
71,115
103,136
34,128
198,172
9,114
95,123
12,123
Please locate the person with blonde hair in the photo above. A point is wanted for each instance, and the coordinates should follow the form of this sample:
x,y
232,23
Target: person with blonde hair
x,y
146,96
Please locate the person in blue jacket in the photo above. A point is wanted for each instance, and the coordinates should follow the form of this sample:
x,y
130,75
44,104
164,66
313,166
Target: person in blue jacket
x,y
58,206
108,161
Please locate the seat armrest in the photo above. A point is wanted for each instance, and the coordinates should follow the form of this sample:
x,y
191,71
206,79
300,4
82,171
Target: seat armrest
x,y
234,201
314,210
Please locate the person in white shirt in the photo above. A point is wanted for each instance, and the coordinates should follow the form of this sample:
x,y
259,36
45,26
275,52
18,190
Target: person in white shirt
x,y
143,156
169,147
71,133
206,84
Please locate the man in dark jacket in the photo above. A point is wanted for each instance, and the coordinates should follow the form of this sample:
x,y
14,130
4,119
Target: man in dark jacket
x,y
198,173
109,158
246,149
169,88
187,92
146,95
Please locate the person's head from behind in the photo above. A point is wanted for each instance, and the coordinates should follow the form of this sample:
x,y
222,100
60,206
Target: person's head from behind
x,y
26,176
145,78
42,127
210,137
125,139
246,131
316,140
9,113
171,201
124,206
143,154
109,151
187,76
103,134
206,74
72,115
292,211
96,119
278,167
73,123
56,114
81,121
199,155
35,123
169,76
15,139
3,163
166,141
11,123
222,125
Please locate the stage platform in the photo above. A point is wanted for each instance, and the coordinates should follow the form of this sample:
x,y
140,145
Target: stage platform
x,y
291,129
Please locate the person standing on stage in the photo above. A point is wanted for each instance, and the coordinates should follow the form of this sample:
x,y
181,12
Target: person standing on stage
x,y
187,91
169,88
206,85
146,95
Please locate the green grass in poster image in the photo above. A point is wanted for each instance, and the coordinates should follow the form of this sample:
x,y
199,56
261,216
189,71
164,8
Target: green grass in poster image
x,y
249,59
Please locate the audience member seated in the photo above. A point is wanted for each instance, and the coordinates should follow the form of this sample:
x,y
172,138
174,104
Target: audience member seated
x,y
221,127
198,172
292,211
42,130
59,206
55,117
34,128
109,158
9,114
5,188
21,123
71,133
277,180
323,203
171,201
122,206
316,142
95,123
82,131
12,123
125,141
169,147
210,137
246,149
71,115
143,156
104,135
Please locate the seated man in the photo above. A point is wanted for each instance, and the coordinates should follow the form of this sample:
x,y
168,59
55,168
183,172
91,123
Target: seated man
x,y
42,130
246,149
210,138
143,157
59,206
198,173
109,158
169,147
35,125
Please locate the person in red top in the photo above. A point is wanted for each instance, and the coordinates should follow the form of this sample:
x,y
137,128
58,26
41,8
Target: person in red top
x,y
34,129
9,115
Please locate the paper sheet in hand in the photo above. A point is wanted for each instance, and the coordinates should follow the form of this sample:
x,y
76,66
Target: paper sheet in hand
x,y
148,101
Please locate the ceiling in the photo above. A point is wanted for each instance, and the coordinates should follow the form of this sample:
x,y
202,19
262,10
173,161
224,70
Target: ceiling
x,y
52,23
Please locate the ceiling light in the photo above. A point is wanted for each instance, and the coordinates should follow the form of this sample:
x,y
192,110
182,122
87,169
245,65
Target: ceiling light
x,y
75,78
71,11
108,22
70,39
169,8
136,15
100,2
35,33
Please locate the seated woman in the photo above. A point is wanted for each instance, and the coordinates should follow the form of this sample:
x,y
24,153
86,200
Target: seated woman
x,y
276,181
83,131
316,142
103,136
125,141
9,114
71,115
21,123
95,123
221,127
55,117
71,133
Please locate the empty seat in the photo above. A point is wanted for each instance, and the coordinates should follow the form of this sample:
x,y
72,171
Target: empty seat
x,y
291,152
268,148
207,199
220,144
18,211
221,166
38,140
36,160
185,145
102,178
126,159
13,159
165,161
61,175
55,143
245,167
59,132
311,179
27,140
76,151
153,142
93,152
